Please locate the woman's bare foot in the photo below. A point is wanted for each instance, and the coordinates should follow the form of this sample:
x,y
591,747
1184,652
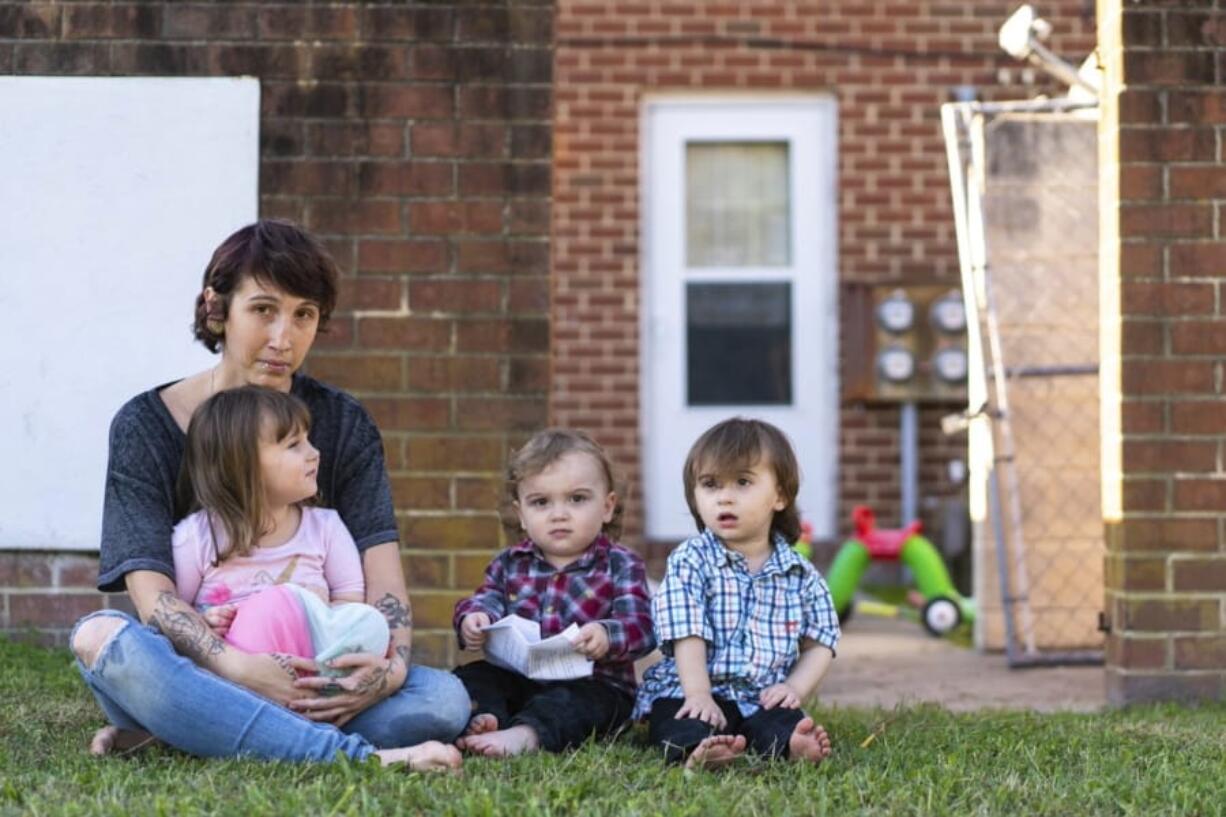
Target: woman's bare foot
x,y
430,756
809,742
504,742
716,751
112,739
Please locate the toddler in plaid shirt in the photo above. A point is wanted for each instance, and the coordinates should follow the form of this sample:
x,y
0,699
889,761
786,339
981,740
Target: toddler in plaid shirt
x,y
567,570
748,627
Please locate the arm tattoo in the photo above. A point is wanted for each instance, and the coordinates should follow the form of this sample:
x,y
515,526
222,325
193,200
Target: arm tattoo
x,y
397,613
186,629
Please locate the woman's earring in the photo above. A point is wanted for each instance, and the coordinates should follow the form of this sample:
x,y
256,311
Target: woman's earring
x,y
215,327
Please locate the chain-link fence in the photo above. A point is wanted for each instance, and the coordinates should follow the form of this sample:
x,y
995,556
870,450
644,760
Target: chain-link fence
x,y
1025,188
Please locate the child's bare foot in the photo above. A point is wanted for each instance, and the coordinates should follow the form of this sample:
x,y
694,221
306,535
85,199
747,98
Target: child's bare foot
x,y
809,742
716,751
504,742
111,739
478,725
430,756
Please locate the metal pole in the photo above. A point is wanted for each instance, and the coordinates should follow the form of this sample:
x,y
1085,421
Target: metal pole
x,y
908,443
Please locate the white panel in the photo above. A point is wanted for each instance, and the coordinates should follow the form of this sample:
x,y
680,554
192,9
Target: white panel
x,y
115,192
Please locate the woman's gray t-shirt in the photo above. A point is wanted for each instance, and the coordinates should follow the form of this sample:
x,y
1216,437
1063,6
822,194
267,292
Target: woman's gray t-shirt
x,y
146,447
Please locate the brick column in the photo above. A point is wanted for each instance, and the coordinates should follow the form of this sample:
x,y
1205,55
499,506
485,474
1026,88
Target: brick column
x,y
1161,188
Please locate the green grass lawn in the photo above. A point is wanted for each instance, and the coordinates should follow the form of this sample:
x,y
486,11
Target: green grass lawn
x,y
923,760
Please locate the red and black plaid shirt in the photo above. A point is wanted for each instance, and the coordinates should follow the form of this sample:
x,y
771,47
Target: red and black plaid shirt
x,y
607,584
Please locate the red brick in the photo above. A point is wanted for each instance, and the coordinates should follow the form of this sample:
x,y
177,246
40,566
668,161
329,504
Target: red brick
x,y
359,373
308,178
421,493
455,296
1170,614
443,217
492,413
369,293
1163,534
1195,106
1136,653
1197,182
1199,494
479,493
1166,220
1168,68
1144,494
418,255
1199,259
1166,299
464,454
58,609
205,22
454,373
1169,455
450,532
1199,575
356,216
1200,652
449,139
1167,377
409,413
1198,338
24,570
406,178
1198,417
407,102
313,22
1135,575
350,139
405,333
107,22
358,61
426,570
470,569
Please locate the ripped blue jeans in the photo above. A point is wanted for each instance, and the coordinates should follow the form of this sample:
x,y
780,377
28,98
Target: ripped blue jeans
x,y
142,683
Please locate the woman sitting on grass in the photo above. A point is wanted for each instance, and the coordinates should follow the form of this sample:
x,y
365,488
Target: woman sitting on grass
x,y
266,292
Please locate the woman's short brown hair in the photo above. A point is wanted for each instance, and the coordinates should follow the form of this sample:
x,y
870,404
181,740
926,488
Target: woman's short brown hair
x,y
277,253
738,444
221,459
542,450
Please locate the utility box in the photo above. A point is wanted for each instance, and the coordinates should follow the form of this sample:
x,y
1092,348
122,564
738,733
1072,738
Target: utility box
x,y
904,343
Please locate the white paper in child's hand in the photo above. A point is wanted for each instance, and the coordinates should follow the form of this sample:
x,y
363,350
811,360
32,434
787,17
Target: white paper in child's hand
x,y
515,643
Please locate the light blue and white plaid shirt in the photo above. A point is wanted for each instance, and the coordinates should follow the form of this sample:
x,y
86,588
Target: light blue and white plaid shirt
x,y
752,622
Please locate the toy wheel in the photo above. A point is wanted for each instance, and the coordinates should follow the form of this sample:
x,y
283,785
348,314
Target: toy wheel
x,y
940,616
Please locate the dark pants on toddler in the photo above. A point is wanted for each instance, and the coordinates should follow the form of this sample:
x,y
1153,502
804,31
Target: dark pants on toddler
x,y
562,713
766,732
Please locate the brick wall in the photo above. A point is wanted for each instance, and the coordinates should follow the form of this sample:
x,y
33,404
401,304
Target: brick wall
x,y
1162,187
890,65
415,138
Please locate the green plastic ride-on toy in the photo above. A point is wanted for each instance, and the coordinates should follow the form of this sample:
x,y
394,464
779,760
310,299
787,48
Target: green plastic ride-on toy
x,y
944,608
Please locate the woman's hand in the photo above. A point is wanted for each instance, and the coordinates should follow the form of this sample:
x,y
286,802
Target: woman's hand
x,y
338,700
220,618
780,695
704,708
471,632
592,641
273,675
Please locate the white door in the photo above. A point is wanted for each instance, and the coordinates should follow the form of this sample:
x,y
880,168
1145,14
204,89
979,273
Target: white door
x,y
739,289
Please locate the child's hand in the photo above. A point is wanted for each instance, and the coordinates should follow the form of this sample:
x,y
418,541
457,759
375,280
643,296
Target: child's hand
x,y
704,708
220,617
592,641
780,695
471,632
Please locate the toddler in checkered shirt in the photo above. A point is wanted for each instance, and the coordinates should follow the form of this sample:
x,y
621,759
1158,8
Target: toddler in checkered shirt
x,y
566,570
747,627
